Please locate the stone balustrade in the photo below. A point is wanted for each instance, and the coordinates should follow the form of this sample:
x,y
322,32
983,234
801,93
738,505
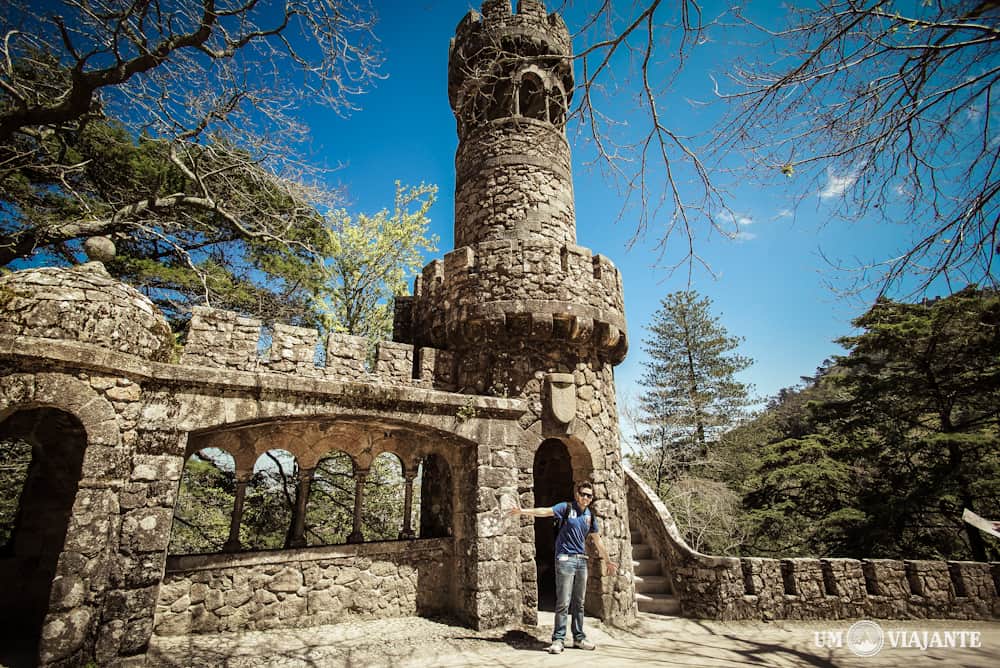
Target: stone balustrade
x,y
223,339
729,588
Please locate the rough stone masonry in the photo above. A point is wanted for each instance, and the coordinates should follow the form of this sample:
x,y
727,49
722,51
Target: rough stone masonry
x,y
498,386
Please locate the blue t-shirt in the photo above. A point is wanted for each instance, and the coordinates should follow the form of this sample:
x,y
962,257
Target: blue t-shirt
x,y
574,527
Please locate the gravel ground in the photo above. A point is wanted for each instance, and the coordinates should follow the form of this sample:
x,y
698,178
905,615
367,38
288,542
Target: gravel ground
x,y
654,641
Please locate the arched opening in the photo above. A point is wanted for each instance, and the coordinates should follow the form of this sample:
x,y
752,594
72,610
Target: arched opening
x,y
204,503
557,107
270,502
435,498
553,482
531,97
40,479
501,101
382,516
330,513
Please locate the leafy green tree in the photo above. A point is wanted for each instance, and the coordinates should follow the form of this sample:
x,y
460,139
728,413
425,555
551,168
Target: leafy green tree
x,y
879,455
370,258
204,505
691,398
117,121
691,391
921,396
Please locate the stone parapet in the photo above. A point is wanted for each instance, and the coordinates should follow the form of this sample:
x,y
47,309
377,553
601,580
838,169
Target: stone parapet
x,y
212,593
521,289
531,22
83,304
729,588
222,339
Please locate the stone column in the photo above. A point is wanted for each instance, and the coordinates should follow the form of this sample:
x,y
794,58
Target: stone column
x,y
233,542
359,493
407,531
301,501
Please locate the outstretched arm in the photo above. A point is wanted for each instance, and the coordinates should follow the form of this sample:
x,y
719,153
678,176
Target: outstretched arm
x,y
533,512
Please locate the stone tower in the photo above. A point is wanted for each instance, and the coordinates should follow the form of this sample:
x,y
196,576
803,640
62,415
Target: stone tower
x,y
524,312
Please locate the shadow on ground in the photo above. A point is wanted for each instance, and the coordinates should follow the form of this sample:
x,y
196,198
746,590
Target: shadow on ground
x,y
654,641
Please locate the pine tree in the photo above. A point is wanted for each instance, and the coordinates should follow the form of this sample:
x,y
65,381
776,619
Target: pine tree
x,y
692,394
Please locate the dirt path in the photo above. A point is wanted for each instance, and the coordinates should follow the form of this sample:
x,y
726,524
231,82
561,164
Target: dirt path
x,y
655,641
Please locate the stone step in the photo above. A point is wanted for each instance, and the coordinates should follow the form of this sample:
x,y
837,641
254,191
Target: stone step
x,y
641,551
636,537
646,567
660,604
653,584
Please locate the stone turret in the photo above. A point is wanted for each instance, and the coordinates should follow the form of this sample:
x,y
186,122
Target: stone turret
x,y
509,84
521,309
517,278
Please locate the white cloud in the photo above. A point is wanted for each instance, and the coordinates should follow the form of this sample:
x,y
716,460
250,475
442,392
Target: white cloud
x,y
785,213
744,236
838,184
737,219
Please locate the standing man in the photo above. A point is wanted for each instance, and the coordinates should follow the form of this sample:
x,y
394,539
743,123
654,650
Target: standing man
x,y
576,522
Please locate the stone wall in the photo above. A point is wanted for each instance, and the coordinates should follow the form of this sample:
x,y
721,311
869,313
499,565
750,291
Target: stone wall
x,y
513,180
82,304
521,289
306,587
532,18
222,339
752,588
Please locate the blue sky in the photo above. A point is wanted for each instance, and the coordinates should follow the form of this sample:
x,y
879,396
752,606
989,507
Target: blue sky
x,y
771,285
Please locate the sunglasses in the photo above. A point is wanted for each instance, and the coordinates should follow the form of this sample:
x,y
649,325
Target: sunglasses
x,y
585,495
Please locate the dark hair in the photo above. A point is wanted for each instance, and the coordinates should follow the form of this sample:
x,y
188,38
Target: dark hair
x,y
583,485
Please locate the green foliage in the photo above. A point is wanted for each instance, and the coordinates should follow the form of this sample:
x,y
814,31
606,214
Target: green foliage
x,y
330,516
204,505
15,458
207,495
878,455
370,258
692,394
692,397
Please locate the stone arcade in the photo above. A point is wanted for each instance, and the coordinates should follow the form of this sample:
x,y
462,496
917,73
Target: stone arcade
x,y
499,382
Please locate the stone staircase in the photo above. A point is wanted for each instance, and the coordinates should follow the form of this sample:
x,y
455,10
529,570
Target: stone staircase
x,y
653,591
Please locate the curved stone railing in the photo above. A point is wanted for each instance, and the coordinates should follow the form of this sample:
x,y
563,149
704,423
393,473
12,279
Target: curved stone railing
x,y
521,288
728,588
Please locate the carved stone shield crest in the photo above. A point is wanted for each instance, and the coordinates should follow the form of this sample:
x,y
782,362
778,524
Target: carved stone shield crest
x,y
562,397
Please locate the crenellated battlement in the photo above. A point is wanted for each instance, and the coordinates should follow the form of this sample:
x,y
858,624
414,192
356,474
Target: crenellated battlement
x,y
527,288
223,339
531,19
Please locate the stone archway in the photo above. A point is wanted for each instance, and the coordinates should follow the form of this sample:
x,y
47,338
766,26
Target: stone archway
x,y
553,483
71,623
44,503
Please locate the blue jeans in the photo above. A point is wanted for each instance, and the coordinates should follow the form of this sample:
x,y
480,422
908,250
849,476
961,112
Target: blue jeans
x,y
571,586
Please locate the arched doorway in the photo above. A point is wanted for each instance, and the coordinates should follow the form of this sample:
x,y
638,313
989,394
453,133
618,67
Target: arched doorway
x,y
435,497
46,448
553,482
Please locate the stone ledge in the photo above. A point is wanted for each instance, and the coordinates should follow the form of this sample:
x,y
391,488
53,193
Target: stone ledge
x,y
84,357
213,561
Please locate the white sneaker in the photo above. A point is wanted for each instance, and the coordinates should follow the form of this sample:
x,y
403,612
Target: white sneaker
x,y
556,647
